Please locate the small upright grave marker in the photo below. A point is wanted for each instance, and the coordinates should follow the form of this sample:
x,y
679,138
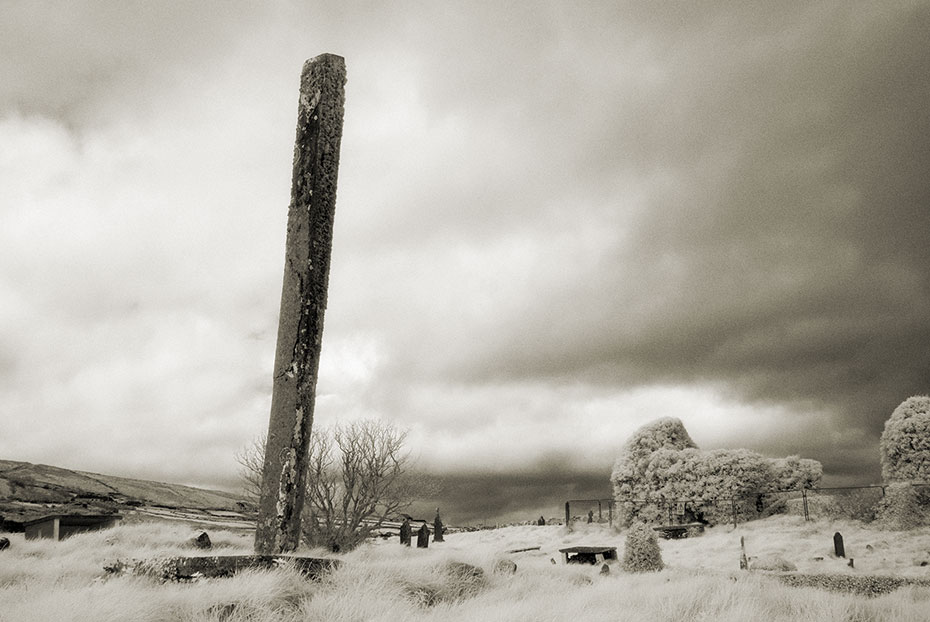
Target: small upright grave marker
x,y
405,532
423,537
838,547
437,528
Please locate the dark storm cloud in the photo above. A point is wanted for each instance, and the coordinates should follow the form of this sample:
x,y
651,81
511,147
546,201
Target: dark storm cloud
x,y
72,60
556,221
783,250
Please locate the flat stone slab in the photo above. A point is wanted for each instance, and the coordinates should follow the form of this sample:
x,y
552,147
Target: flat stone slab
x,y
216,566
867,585
674,532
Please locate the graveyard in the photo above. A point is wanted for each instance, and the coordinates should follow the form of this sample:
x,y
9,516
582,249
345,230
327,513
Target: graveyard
x,y
385,580
718,532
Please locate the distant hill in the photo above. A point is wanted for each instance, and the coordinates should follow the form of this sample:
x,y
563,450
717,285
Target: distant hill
x,y
31,490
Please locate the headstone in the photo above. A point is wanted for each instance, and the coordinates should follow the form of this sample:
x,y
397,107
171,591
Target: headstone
x,y
303,302
423,537
4,543
405,532
743,561
838,545
437,528
202,541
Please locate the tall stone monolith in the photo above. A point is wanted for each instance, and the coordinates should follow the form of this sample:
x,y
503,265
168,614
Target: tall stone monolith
x,y
303,302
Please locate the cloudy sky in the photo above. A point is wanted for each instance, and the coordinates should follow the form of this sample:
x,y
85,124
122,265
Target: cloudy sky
x,y
555,222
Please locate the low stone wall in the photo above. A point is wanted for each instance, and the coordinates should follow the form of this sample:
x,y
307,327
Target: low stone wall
x,y
867,585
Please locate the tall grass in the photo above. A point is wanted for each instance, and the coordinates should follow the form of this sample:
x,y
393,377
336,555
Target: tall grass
x,y
44,580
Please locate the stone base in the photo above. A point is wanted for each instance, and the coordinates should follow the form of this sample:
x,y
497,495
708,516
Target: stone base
x,y
213,566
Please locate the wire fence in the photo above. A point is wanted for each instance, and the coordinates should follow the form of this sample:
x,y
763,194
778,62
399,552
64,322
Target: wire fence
x,y
850,502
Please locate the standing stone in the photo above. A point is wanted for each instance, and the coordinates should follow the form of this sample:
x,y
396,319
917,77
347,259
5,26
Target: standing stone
x,y
437,528
405,532
303,302
838,547
423,537
541,521
202,541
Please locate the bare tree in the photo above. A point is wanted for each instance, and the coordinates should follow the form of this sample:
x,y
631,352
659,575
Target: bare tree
x,y
251,459
358,477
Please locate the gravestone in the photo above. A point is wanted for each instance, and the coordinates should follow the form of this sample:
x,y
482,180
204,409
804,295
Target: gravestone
x,y
405,532
303,302
423,537
838,547
437,528
202,541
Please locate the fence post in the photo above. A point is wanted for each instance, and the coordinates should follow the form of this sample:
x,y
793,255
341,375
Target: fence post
x,y
733,509
600,517
568,517
807,516
610,514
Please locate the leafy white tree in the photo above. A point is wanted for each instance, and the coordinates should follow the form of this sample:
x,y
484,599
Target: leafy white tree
x,y
660,465
905,442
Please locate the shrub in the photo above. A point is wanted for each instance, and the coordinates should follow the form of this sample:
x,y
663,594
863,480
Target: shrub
x,y
905,442
901,508
794,472
641,550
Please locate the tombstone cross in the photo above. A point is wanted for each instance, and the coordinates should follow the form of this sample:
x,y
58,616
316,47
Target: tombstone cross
x,y
303,302
437,528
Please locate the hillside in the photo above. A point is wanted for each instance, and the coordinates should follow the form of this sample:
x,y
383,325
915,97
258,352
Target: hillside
x,y
31,490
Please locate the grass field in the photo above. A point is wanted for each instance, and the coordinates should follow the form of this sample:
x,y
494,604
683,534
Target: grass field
x,y
44,580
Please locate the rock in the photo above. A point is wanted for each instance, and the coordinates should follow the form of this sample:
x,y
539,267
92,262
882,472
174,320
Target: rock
x,y
505,566
552,560
4,543
202,541
605,569
773,563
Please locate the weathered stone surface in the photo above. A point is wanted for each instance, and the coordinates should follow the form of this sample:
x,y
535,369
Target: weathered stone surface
x,y
188,568
605,569
303,302
4,543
